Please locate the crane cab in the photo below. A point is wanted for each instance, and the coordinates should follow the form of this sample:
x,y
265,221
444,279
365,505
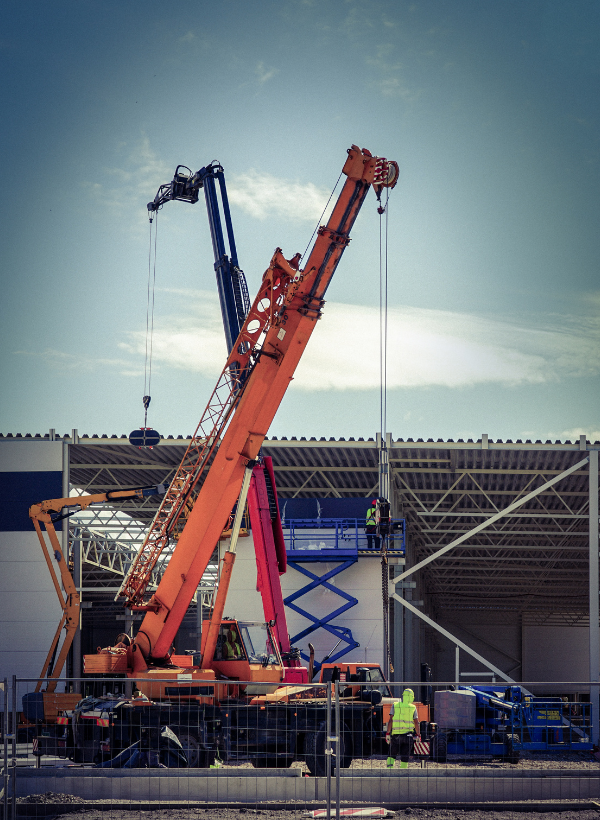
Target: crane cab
x,y
247,651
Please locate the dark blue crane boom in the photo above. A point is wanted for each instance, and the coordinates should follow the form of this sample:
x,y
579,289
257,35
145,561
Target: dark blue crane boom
x,y
235,304
231,282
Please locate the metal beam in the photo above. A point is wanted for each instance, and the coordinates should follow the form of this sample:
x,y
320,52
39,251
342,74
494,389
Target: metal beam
x,y
483,513
594,603
515,505
453,638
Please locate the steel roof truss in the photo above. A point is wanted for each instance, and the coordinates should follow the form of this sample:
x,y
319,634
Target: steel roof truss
x,y
515,505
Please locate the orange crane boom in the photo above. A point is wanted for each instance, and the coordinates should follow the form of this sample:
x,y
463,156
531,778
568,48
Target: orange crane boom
x,y
239,414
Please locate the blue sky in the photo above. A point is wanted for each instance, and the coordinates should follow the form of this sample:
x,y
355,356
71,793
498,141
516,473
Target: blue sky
x,y
491,110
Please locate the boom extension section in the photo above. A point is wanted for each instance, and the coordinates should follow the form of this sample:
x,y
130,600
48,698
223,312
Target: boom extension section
x,y
231,282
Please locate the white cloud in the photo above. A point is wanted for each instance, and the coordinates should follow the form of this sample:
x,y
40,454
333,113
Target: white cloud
x,y
425,347
574,433
264,74
263,194
440,348
391,79
192,340
61,362
129,185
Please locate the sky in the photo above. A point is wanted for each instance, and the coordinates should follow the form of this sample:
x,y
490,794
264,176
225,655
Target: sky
x,y
491,110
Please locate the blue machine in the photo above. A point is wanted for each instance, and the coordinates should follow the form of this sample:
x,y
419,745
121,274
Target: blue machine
x,y
502,722
231,282
319,539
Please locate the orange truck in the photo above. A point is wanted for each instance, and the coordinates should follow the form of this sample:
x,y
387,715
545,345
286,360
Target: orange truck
x,y
269,725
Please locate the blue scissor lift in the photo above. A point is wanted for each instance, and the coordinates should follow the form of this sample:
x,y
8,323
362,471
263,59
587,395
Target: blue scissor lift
x,y
340,540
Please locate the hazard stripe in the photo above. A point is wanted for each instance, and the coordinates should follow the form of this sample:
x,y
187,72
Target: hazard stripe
x,y
102,722
62,721
421,747
365,812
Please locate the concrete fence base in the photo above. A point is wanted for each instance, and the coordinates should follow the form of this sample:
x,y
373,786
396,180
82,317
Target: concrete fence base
x,y
288,786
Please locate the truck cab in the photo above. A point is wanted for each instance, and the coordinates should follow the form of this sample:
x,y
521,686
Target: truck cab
x,y
363,679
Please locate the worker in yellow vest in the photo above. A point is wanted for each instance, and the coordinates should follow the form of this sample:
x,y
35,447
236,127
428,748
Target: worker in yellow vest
x,y
373,539
402,725
232,650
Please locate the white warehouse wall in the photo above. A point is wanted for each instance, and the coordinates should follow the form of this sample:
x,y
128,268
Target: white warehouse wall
x,y
362,580
30,471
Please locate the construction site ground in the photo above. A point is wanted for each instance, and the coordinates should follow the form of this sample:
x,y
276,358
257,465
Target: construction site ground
x,y
55,805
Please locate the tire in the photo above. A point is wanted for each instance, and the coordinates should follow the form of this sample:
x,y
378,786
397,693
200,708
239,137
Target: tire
x,y
314,752
510,753
196,756
439,747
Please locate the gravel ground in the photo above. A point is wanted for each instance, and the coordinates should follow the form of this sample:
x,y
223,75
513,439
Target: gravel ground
x,y
111,813
529,760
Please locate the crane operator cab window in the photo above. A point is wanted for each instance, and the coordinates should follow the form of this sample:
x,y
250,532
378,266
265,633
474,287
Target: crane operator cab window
x,y
229,645
260,644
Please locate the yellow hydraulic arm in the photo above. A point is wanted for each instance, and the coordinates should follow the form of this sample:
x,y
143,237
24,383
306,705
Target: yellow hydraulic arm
x,y
46,513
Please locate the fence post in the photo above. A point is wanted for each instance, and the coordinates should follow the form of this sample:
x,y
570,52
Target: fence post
x,y
14,748
339,748
5,744
328,751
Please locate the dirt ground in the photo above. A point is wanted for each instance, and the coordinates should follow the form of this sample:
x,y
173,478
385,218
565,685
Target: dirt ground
x,y
109,813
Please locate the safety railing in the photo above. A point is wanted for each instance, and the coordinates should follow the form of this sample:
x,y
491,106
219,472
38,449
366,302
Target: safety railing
x,y
346,536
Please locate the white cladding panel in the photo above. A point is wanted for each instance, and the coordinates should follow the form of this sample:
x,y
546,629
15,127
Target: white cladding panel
x,y
30,471
23,456
30,607
362,580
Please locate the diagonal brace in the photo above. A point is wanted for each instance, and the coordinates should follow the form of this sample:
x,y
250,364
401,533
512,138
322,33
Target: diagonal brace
x,y
507,511
452,638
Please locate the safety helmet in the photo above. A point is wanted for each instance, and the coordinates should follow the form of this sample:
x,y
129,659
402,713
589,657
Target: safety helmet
x,y
374,503
408,696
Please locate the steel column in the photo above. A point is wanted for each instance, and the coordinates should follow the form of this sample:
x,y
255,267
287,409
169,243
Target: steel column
x,y
398,638
76,664
594,603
